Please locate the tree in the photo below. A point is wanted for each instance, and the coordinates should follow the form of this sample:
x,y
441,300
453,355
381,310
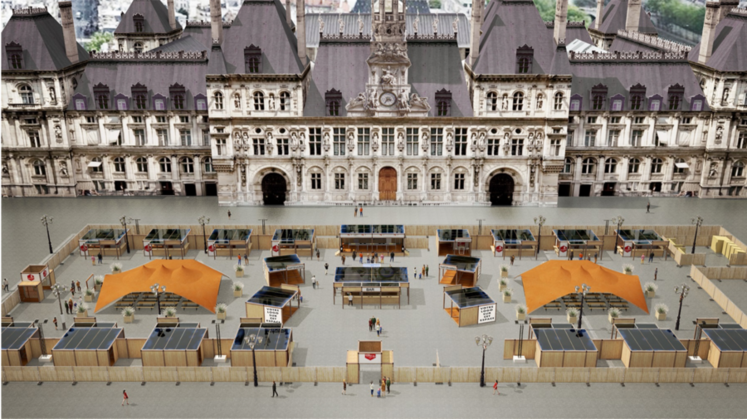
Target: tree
x,y
184,12
546,9
434,4
97,40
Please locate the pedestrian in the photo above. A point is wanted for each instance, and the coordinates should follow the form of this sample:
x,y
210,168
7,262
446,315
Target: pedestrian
x,y
343,259
101,259
125,398
317,254
415,273
422,270
326,268
495,388
382,258
361,211
70,305
512,260
246,257
54,320
344,387
353,255
5,285
274,390
570,255
388,383
361,257
350,299
648,207
378,392
93,260
78,285
378,327
656,273
72,290
313,281
391,257
370,325
372,388
427,268
651,257
229,215
595,257
420,276
239,260
383,385
355,212
643,259
67,310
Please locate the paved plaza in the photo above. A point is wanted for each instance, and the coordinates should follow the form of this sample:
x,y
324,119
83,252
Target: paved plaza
x,y
324,332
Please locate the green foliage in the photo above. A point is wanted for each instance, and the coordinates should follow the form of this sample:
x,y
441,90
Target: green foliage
x,y
547,12
97,40
672,12
434,4
184,12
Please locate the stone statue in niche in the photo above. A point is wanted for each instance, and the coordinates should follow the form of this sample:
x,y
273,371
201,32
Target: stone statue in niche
x,y
416,23
52,95
294,141
403,102
360,24
388,77
424,142
58,133
449,141
237,141
272,102
63,169
504,103
719,134
6,171
325,141
481,141
540,98
358,102
269,142
375,141
351,140
400,141
419,102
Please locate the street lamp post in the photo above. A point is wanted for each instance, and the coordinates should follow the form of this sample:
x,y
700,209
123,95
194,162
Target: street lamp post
x,y
57,290
483,341
217,324
204,220
252,340
123,221
682,290
582,290
697,221
46,221
157,293
620,222
539,221
137,224
479,228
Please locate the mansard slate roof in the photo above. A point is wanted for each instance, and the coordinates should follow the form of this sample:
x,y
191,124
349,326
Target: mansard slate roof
x,y
730,45
413,6
351,27
615,15
262,23
508,25
154,13
436,66
156,75
185,43
625,44
341,66
40,36
573,31
202,33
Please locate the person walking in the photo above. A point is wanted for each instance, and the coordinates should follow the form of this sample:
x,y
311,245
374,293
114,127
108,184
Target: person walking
x,y
570,255
427,268
317,254
383,385
361,257
372,388
274,390
229,215
370,325
643,259
313,281
125,398
415,273
67,310
344,387
343,259
350,299
239,256
512,260
495,388
355,212
378,327
101,259
70,305
54,320
388,383
656,273
5,285
378,392
648,207
326,268
361,214
595,257
78,285
651,257
353,255
72,290
391,257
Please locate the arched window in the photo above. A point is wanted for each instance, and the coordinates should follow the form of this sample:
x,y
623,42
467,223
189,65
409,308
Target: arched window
x,y
568,166
139,21
208,162
678,169
633,165
259,101
285,104
165,165
119,164
237,100
518,101
142,164
187,165
610,166
737,169
493,101
218,99
40,168
558,101
27,94
656,165
138,47
588,166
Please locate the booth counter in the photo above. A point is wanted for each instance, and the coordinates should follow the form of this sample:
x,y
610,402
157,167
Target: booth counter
x,y
372,238
300,242
460,270
573,243
517,243
468,306
16,345
274,349
651,347
177,346
728,346
229,242
106,242
166,243
284,270
372,285
564,347
634,243
456,242
273,305
87,346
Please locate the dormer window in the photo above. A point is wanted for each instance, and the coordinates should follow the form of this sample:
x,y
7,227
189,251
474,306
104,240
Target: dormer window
x,y
524,56
201,102
598,97
79,101
637,93
15,55
576,102
696,103
443,102
616,103
177,94
676,93
253,59
654,103
101,93
333,98
139,21
159,102
140,96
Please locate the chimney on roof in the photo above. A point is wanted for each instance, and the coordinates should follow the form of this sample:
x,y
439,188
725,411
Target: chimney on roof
x,y
475,23
561,20
216,21
68,31
172,14
632,21
301,29
600,11
712,16
288,19
725,7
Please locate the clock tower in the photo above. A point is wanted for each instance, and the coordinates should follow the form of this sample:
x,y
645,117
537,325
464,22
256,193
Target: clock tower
x,y
387,91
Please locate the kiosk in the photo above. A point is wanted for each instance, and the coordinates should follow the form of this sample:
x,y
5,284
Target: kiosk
x,y
473,305
373,285
728,346
367,238
634,243
87,347
16,345
650,347
453,242
31,291
177,346
574,242
294,242
106,242
513,243
460,270
369,363
559,346
275,349
284,270
229,242
273,305
166,242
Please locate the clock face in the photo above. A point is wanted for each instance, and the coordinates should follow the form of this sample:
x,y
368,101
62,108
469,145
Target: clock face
x,y
388,99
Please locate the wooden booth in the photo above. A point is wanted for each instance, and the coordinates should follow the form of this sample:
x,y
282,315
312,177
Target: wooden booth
x,y
229,242
371,285
634,243
31,291
106,242
468,306
166,242
559,346
369,357
300,242
573,243
42,273
273,305
453,242
273,349
87,347
517,243
651,347
460,270
16,345
286,269
367,239
728,347
174,346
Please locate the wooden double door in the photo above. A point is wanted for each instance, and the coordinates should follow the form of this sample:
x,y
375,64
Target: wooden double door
x,y
387,184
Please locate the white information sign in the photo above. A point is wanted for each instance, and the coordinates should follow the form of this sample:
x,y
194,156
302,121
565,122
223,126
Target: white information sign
x,y
372,289
369,358
486,313
273,315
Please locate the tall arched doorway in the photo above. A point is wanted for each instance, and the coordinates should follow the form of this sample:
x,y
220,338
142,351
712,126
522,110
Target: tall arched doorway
x,y
387,184
501,189
273,189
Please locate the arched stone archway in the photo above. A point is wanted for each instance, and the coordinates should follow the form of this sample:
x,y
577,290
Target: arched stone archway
x,y
501,189
274,188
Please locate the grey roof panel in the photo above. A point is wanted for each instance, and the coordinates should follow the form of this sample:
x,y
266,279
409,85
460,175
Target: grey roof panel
x,y
436,66
155,14
202,34
217,62
185,43
624,44
573,31
341,66
40,36
616,14
729,47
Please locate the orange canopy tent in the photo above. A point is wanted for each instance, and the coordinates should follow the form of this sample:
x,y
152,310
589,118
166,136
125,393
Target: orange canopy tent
x,y
557,278
187,278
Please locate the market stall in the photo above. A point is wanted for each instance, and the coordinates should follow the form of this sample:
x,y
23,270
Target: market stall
x,y
106,242
460,270
376,238
728,347
273,305
274,349
373,285
31,291
517,243
16,345
229,242
166,242
177,346
634,243
468,306
294,242
564,347
369,360
41,273
652,348
284,270
87,347
574,243
454,242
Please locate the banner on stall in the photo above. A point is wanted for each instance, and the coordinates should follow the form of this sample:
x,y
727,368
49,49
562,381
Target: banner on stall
x,y
273,315
486,313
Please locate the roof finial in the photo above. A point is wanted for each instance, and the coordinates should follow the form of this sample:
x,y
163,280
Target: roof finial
x,y
340,23
435,25
360,23
321,24
416,22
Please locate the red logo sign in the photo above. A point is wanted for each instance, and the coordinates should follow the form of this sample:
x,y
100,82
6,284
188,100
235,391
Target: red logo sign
x,y
84,248
627,249
44,274
370,357
499,248
148,248
30,277
563,248
275,248
211,248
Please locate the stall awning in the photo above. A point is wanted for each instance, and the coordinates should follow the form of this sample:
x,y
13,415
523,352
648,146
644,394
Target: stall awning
x,y
682,165
94,164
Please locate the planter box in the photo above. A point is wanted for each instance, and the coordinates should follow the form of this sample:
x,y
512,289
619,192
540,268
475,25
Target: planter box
x,y
238,293
507,298
610,318
571,320
239,274
129,319
628,273
502,287
650,294
521,316
83,314
504,274
220,316
661,316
